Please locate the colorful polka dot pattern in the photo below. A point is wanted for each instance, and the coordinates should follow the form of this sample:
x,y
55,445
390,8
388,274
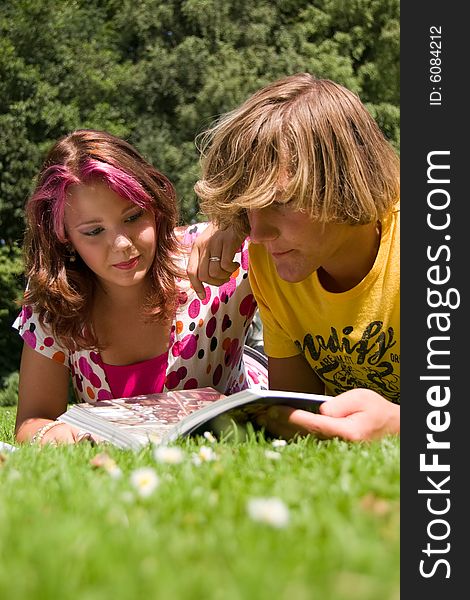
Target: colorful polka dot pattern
x,y
206,339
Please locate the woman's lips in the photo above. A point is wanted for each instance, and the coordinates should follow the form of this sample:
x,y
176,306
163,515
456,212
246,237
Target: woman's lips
x,y
128,264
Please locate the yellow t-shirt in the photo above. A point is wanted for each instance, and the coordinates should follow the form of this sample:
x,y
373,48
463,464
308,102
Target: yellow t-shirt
x,y
350,339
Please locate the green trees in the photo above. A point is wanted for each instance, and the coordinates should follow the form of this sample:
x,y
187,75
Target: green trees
x,y
11,284
157,72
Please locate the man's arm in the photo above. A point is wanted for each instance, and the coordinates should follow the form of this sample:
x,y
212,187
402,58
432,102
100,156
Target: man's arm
x,y
355,415
293,374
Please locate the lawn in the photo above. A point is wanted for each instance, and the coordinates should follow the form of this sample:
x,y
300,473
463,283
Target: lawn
x,y
75,530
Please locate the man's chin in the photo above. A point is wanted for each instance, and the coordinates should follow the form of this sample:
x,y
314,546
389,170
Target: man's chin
x,y
292,275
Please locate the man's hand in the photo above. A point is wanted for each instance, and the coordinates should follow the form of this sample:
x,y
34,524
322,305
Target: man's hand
x,y
213,243
355,415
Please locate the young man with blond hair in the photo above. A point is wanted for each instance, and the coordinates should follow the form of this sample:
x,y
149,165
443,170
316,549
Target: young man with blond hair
x,y
304,170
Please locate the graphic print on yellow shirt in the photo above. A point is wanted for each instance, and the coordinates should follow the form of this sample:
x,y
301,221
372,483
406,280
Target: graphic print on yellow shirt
x,y
350,339
343,364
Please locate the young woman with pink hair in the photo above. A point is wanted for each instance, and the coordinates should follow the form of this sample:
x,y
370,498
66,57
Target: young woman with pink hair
x,y
108,303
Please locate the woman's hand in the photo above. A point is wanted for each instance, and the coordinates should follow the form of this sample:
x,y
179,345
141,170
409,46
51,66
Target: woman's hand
x,y
355,415
42,432
211,258
63,433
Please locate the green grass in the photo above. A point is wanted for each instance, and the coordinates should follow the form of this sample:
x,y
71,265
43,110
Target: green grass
x,y
70,531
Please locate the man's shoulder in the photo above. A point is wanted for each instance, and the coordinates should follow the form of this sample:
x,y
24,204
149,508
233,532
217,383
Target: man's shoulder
x,y
263,272
258,255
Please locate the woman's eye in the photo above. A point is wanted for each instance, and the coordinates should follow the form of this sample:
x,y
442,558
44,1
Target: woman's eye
x,y
93,232
135,216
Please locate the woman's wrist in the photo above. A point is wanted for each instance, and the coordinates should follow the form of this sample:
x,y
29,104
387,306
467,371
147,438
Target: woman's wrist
x,y
41,432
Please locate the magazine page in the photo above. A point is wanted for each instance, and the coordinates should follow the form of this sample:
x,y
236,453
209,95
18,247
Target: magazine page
x,y
244,406
133,422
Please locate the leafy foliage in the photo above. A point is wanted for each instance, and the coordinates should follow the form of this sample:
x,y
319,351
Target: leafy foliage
x,y
9,393
159,72
11,287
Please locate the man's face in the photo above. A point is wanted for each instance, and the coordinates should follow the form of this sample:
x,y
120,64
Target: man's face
x,y
298,245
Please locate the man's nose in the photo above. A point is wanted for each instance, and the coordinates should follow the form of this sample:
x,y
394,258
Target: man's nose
x,y
262,229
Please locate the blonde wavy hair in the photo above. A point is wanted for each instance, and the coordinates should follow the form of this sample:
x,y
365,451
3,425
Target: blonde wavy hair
x,y
302,140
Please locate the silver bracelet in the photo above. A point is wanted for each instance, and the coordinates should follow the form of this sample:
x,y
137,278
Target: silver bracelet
x,y
41,432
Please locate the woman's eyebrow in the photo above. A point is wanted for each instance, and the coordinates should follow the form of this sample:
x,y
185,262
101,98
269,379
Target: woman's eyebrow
x,y
89,222
98,220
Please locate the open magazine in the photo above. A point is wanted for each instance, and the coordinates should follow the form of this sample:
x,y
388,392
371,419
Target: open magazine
x,y
161,418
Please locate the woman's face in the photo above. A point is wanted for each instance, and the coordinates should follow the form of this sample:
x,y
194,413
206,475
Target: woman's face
x,y
113,236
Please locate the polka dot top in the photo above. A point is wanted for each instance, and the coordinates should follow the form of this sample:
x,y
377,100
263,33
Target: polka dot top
x,y
206,339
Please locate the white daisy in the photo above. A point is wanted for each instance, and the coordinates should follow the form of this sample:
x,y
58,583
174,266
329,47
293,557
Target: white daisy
x,y
145,481
168,454
114,472
209,437
205,454
271,511
279,443
103,461
4,447
272,454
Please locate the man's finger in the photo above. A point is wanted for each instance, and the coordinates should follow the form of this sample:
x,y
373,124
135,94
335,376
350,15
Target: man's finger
x,y
345,404
275,428
279,426
303,421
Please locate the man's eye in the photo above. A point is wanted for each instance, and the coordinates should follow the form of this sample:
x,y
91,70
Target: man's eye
x,y
135,216
279,204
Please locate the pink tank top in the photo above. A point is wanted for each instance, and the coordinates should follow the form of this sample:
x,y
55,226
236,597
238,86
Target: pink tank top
x,y
146,377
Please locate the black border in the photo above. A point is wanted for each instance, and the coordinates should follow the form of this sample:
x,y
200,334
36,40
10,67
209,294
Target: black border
x,y
426,128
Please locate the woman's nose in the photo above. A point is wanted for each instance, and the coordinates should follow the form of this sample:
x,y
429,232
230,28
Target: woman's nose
x,y
122,242
262,229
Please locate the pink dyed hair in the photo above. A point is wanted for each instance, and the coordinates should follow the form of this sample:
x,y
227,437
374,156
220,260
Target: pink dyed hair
x,y
58,178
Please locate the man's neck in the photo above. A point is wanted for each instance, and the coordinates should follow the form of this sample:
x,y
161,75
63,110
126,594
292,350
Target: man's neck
x,y
354,261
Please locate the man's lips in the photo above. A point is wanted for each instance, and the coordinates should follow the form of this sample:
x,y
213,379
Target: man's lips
x,y
128,264
281,254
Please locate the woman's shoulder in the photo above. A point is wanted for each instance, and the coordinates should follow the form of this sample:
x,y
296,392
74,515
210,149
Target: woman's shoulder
x,y
235,288
28,318
186,234
38,335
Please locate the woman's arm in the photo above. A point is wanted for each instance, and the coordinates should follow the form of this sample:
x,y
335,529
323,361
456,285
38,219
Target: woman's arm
x,y
42,397
218,243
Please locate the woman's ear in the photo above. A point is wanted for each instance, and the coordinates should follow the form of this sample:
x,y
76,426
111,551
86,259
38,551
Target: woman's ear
x,y
72,255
